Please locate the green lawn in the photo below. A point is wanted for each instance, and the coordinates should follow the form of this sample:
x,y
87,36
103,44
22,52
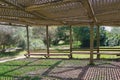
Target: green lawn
x,y
12,54
102,56
21,67
16,68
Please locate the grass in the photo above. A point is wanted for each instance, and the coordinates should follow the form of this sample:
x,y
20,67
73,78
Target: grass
x,y
109,56
30,69
21,67
95,56
11,54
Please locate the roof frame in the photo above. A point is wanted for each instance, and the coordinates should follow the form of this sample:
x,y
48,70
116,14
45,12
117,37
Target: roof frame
x,y
95,12
40,16
91,14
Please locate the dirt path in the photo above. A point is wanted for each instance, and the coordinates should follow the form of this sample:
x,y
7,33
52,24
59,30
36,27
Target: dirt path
x,y
5,59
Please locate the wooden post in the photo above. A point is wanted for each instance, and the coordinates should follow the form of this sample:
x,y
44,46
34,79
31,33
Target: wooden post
x,y
70,42
91,43
47,40
98,41
28,43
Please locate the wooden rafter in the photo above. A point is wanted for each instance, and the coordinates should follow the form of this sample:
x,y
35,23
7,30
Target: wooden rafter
x,y
13,12
61,11
10,24
39,7
38,15
14,21
21,8
88,6
108,13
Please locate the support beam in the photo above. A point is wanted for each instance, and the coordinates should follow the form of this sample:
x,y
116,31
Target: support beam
x,y
98,41
91,15
47,41
90,11
91,44
28,43
10,24
70,42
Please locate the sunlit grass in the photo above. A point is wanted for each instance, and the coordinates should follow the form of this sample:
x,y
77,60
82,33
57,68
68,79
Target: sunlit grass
x,y
10,54
109,56
20,67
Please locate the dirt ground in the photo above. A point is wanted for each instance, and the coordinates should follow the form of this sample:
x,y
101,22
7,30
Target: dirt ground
x,y
80,70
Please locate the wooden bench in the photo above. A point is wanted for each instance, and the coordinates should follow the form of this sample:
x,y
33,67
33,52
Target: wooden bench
x,y
103,53
110,53
35,54
59,54
76,52
46,55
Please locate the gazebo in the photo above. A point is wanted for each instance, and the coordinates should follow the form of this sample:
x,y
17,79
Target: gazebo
x,y
61,12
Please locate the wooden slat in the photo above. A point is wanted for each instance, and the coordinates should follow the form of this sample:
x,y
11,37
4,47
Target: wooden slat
x,y
21,8
110,53
60,54
39,7
100,12
10,24
103,53
38,54
109,48
44,54
83,53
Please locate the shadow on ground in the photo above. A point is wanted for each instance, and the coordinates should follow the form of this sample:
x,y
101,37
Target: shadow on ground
x,y
67,70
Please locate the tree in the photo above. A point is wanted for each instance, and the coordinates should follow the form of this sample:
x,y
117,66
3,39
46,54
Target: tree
x,y
82,34
61,33
113,37
102,36
6,38
20,34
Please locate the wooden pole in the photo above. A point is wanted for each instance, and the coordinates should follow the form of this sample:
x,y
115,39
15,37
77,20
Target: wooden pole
x,y
70,42
28,43
47,40
98,42
91,43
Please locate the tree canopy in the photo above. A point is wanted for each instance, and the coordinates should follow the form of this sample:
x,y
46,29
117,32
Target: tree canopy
x,y
16,36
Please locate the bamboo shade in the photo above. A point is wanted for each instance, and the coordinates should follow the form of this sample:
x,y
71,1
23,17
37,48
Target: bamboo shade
x,y
60,12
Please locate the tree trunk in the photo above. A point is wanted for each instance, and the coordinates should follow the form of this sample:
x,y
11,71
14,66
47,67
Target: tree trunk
x,y
3,48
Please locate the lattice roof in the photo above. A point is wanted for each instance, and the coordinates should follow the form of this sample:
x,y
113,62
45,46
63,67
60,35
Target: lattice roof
x,y
60,12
